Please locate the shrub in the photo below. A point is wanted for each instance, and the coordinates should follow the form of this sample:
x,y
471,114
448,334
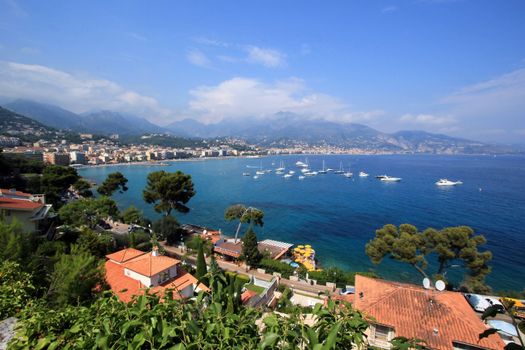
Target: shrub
x,y
271,266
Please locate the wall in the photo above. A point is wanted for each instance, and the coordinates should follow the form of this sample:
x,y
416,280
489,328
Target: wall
x,y
23,219
137,276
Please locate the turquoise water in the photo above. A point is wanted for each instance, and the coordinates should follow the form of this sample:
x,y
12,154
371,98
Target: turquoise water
x,y
337,215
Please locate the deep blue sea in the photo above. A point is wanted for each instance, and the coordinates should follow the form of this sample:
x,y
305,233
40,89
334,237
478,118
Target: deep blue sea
x,y
338,216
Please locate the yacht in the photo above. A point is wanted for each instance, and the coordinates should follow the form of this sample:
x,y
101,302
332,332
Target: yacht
x,y
340,171
322,171
260,172
362,174
291,172
445,182
281,167
305,170
301,164
287,176
246,174
387,178
348,174
279,172
301,177
311,173
380,177
329,170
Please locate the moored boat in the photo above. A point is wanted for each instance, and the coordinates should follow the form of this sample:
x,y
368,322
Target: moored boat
x,y
387,178
445,182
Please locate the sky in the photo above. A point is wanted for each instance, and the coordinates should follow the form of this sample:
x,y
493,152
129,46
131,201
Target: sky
x,y
447,66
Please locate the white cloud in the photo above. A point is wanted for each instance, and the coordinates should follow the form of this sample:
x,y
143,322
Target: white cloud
x,y
250,98
74,92
427,119
198,58
267,57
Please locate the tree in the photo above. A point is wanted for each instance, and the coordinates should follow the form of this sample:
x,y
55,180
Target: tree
x,y
15,244
88,211
132,215
75,277
97,244
169,191
168,227
252,216
83,188
451,246
201,263
250,251
55,182
16,289
115,181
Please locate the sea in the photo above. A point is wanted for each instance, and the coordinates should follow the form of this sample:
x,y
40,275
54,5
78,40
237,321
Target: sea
x,y
339,215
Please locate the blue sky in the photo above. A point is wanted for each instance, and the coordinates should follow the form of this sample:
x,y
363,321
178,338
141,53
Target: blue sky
x,y
448,66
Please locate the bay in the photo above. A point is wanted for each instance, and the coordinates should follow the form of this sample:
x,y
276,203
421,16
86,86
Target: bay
x,y
338,216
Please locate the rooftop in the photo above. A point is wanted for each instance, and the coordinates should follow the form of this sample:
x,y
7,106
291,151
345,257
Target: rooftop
x,y
149,264
229,248
439,318
124,255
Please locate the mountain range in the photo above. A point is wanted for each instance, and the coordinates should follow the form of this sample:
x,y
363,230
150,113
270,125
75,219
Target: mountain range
x,y
280,130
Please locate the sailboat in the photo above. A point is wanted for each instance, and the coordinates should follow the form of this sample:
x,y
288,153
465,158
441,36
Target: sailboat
x,y
322,171
281,168
340,171
260,171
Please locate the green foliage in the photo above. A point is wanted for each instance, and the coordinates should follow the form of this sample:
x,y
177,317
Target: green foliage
x,y
56,180
450,245
132,215
98,244
169,191
12,170
403,343
242,278
15,244
83,188
252,216
16,289
88,211
115,181
75,277
169,228
201,264
250,252
271,266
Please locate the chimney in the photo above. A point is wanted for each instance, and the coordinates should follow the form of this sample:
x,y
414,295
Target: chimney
x,y
155,251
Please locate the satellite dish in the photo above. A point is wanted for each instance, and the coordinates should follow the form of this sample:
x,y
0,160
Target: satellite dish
x,y
426,283
440,285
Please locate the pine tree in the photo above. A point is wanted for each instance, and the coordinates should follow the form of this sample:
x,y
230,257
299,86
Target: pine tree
x,y
250,251
201,263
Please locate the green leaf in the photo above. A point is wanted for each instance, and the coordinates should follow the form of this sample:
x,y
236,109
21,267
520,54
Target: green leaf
x,y
269,340
332,337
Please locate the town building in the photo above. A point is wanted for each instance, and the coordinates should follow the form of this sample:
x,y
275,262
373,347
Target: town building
x,y
442,319
78,158
130,272
29,210
56,158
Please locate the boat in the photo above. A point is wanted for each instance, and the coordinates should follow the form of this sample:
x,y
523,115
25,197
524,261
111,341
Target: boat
x,y
260,172
305,170
287,176
329,170
246,174
348,174
324,169
291,172
301,164
279,172
340,171
311,173
362,174
387,178
445,182
256,177
380,177
281,167
301,177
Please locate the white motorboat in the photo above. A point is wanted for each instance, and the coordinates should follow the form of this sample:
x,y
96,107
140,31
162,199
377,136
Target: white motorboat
x,y
301,177
387,178
256,177
380,177
362,174
348,174
246,174
445,182
260,172
287,176
311,173
305,170
291,172
301,164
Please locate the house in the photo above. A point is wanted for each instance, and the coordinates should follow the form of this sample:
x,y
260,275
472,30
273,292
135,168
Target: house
x,y
444,320
274,249
31,211
228,249
131,271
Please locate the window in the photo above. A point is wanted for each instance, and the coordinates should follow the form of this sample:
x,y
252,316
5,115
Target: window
x,y
382,332
460,346
164,276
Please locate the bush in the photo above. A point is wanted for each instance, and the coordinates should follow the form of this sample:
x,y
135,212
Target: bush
x,y
239,277
271,266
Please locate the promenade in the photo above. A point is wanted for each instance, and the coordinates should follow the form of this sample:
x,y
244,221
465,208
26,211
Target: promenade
x,y
300,286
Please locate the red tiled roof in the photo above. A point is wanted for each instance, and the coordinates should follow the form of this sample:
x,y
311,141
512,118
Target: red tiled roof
x,y
414,312
126,287
149,265
19,204
247,295
229,248
125,255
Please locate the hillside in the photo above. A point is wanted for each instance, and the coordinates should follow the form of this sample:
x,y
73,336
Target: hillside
x,y
27,129
110,122
46,114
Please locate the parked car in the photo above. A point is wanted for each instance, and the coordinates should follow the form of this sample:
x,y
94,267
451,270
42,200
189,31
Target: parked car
x,y
347,290
481,302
